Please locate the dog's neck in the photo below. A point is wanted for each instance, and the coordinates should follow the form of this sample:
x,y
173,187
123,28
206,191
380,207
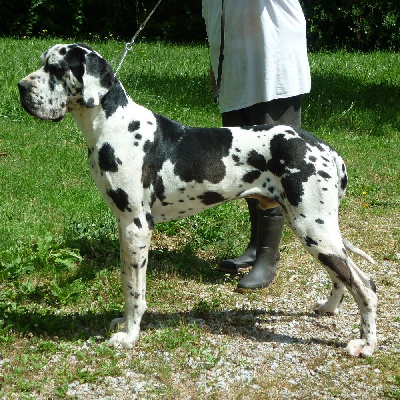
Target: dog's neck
x,y
95,122
89,123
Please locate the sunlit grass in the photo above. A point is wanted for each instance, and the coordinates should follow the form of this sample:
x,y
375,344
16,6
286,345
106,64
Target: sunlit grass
x,y
59,278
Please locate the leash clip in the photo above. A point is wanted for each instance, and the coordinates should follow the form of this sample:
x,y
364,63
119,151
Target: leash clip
x,y
129,45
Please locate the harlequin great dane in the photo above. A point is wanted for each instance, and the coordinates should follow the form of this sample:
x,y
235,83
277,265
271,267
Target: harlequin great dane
x,y
150,169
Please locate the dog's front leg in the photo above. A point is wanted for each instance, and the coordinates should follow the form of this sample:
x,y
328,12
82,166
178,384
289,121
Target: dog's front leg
x,y
134,243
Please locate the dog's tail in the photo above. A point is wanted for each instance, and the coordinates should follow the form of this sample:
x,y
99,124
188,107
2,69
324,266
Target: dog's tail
x,y
342,176
349,246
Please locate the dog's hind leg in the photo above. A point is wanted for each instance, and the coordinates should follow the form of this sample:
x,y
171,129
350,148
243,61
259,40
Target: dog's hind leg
x,y
363,290
324,242
134,243
334,302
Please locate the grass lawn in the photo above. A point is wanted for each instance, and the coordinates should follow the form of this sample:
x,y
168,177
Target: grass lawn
x,y
59,250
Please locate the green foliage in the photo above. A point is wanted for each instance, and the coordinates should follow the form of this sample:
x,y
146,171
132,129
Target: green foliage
x,y
174,20
394,391
177,335
353,25
43,253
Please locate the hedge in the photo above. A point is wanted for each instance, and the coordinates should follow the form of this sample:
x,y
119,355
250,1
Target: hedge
x,y
354,25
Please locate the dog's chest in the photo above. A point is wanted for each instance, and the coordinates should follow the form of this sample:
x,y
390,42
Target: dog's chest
x,y
116,165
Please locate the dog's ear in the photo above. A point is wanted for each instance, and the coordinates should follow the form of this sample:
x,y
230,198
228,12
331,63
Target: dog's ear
x,y
97,79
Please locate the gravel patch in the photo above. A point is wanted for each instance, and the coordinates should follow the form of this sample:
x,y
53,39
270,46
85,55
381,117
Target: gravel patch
x,y
272,347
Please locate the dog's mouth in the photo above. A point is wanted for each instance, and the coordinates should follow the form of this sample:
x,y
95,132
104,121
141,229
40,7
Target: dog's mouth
x,y
34,107
58,119
35,111
28,107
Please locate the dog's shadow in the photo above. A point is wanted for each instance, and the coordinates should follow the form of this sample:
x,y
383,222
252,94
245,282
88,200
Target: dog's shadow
x,y
182,262
245,324
80,327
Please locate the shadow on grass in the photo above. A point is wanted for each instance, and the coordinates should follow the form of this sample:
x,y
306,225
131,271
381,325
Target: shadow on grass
x,y
184,263
338,102
103,253
75,327
241,323
178,90
329,103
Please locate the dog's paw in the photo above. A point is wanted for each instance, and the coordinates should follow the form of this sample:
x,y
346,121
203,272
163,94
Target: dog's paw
x,y
324,307
117,324
123,340
360,348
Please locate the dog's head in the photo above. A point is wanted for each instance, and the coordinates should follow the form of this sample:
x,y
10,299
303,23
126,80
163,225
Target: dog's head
x,y
71,76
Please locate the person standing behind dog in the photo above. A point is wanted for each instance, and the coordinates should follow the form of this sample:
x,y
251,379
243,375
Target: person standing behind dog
x,y
263,75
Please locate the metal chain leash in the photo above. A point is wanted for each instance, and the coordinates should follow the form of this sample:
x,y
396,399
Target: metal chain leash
x,y
129,45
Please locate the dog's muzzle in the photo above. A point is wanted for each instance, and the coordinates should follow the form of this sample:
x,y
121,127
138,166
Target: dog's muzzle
x,y
28,103
23,88
31,104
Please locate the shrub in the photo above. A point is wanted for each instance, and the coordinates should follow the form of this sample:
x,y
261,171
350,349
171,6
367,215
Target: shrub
x,y
353,25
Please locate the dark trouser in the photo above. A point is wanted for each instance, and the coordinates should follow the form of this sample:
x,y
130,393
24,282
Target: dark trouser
x,y
279,112
262,252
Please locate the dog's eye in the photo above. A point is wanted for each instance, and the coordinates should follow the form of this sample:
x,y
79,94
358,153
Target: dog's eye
x,y
55,69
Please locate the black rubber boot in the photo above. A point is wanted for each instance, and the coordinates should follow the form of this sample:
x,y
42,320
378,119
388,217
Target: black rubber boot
x,y
245,262
269,232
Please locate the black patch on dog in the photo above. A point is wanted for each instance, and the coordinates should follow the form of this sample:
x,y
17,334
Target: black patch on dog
x,y
99,68
309,241
133,126
57,71
107,160
209,198
75,58
311,139
137,222
289,154
324,174
114,99
319,221
372,285
200,153
251,176
258,128
52,82
85,46
196,153
339,266
343,181
150,221
159,188
120,199
257,161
